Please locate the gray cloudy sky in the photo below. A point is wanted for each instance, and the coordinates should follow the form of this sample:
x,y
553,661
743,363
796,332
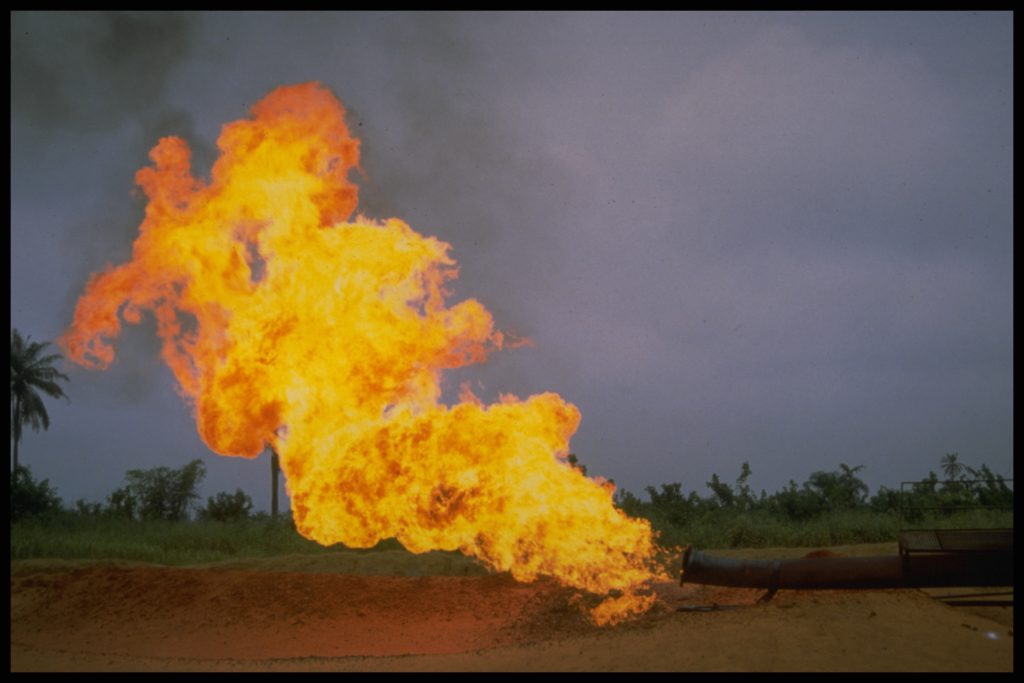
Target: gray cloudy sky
x,y
779,238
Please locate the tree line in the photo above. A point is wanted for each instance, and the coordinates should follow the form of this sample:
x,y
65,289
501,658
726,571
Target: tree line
x,y
171,494
162,493
826,492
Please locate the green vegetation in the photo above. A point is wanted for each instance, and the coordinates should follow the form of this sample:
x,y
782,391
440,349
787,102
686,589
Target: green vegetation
x,y
256,543
31,498
225,507
31,372
150,519
159,493
830,508
75,536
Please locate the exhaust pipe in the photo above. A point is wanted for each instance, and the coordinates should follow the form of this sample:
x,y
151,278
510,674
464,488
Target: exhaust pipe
x,y
994,568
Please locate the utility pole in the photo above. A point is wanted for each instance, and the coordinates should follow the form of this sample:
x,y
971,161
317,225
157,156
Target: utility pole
x,y
275,472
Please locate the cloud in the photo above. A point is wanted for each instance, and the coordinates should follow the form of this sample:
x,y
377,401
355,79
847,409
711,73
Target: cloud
x,y
783,114
848,308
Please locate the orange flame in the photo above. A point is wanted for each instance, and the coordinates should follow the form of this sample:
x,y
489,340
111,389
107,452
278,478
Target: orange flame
x,y
285,325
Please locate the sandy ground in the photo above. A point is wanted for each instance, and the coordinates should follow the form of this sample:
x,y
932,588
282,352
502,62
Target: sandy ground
x,y
77,616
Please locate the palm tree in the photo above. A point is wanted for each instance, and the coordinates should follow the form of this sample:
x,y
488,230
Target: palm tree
x,y
31,370
950,467
854,490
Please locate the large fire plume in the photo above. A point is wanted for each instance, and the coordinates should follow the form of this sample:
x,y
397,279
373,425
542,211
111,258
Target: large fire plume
x,y
286,325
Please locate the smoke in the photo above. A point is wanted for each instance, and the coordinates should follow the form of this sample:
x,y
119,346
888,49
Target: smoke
x,y
441,150
96,83
91,72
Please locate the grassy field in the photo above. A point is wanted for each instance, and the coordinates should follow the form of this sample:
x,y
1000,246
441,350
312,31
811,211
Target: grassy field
x,y
756,530
233,544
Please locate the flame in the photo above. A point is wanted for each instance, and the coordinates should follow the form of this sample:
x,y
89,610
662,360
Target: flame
x,y
286,325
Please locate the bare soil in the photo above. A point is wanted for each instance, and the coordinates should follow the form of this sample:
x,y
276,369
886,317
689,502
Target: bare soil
x,y
104,616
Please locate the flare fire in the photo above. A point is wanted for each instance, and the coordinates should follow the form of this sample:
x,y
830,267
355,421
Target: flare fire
x,y
287,322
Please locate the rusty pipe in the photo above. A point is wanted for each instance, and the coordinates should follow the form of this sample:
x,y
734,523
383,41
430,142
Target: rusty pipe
x,y
895,571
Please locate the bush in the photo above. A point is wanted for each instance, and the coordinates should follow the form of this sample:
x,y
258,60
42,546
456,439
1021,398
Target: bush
x,y
886,500
87,509
831,507
159,493
797,504
226,506
121,503
31,498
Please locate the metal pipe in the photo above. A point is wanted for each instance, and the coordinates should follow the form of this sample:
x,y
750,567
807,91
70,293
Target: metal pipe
x,y
895,571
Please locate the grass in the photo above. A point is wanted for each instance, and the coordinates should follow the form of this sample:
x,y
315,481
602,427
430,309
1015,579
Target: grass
x,y
172,543
262,543
253,545
722,529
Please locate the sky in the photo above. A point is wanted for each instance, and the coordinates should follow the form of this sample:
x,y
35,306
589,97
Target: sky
x,y
776,238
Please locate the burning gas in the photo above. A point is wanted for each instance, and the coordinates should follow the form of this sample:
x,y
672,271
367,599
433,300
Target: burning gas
x,y
286,325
